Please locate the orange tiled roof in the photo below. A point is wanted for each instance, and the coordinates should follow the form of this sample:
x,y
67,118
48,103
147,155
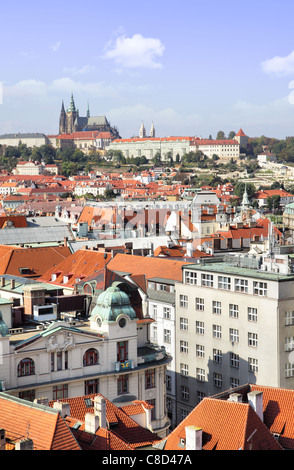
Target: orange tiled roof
x,y
226,425
126,428
48,431
151,267
38,260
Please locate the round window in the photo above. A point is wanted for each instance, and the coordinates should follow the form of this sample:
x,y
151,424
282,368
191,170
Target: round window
x,y
122,322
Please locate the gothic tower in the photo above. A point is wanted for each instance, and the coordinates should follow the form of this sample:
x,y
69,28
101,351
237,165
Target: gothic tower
x,y
62,120
142,132
71,115
152,130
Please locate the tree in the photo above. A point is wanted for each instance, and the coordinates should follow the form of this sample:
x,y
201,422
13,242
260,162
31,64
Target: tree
x,y
220,135
231,135
240,189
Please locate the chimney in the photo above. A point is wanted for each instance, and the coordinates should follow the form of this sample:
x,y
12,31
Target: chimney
x,y
193,438
63,408
24,444
100,410
255,399
2,439
236,397
65,241
91,423
3,281
12,283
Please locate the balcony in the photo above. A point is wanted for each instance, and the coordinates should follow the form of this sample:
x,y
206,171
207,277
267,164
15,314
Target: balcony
x,y
151,353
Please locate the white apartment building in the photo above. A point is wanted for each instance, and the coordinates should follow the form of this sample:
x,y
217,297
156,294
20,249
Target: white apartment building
x,y
33,139
108,354
234,325
224,149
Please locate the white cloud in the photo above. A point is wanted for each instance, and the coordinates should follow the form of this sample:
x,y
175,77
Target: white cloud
x,y
279,65
79,71
135,52
56,46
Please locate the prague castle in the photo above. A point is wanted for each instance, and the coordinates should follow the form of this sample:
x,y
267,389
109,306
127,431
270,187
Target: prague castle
x,y
70,121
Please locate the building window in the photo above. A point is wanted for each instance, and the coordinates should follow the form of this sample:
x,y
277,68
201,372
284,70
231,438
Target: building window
x,y
241,285
200,396
184,347
199,304
122,351
28,395
234,382
185,393
224,282
91,386
91,357
252,314
217,379
207,280
26,367
234,360
200,374
216,307
168,382
154,311
167,336
217,356
122,384
184,370
154,334
289,370
184,301
190,277
199,350
233,311
252,364
252,339
216,331
260,288
60,391
289,343
289,318
234,335
184,324
149,378
153,411
200,327
166,312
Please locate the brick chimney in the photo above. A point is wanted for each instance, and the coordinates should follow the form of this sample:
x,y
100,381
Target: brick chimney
x,y
2,439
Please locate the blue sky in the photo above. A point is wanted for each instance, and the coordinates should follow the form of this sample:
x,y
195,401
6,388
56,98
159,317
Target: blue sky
x,y
192,67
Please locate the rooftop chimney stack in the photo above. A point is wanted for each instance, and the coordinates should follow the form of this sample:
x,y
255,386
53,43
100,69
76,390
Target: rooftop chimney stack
x,y
2,439
100,411
91,423
63,408
255,399
24,444
193,438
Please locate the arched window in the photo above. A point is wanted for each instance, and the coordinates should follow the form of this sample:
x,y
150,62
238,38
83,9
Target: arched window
x,y
26,367
88,289
91,357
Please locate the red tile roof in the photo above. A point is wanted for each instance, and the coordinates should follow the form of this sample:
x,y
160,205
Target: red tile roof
x,y
226,426
48,431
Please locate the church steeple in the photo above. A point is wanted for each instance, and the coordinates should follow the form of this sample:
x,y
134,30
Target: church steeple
x,y
152,130
62,120
72,106
142,132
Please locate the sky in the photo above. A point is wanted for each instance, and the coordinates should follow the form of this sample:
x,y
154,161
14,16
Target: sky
x,y
191,67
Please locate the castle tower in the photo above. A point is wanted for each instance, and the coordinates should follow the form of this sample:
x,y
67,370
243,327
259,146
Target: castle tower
x,y
62,120
142,132
152,130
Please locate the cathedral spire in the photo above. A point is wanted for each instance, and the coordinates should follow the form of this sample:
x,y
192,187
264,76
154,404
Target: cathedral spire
x,y
72,106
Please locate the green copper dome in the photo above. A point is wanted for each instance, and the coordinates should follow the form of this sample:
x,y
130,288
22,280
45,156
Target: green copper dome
x,y
112,303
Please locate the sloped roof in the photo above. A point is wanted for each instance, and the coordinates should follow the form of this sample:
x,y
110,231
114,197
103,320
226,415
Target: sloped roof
x,y
80,264
151,267
226,425
38,259
126,428
46,428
